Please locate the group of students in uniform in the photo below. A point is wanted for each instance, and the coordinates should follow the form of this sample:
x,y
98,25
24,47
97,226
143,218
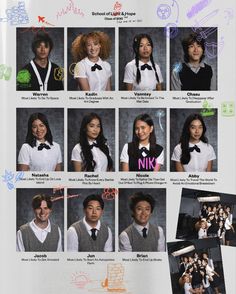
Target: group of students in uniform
x,y
216,221
197,274
92,72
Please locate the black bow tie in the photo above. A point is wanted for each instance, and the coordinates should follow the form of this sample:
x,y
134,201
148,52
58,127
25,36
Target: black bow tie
x,y
93,145
144,232
144,66
93,236
96,66
195,147
43,145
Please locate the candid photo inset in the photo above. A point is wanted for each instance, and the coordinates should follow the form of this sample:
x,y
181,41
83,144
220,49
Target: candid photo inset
x,y
207,214
196,266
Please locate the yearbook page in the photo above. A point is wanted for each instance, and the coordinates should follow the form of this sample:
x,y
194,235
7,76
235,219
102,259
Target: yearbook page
x,y
117,154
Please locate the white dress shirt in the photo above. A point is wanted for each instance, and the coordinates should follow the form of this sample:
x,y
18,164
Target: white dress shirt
x,y
198,160
98,156
125,242
41,235
40,160
97,79
148,77
73,242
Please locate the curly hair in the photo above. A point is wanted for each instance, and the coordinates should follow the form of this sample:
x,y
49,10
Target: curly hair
x,y
140,196
78,48
185,136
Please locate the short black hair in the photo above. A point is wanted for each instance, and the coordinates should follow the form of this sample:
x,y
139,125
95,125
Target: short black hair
x,y
41,37
93,197
37,200
192,38
140,196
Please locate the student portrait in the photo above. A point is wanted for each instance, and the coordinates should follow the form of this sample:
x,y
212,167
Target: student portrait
x,y
193,140
91,223
40,59
142,139
142,59
91,59
40,139
193,59
143,228
91,140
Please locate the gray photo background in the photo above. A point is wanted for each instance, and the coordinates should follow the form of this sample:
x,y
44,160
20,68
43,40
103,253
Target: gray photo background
x,y
75,208
55,118
177,54
24,52
126,54
177,119
75,117
25,212
158,217
126,120
72,33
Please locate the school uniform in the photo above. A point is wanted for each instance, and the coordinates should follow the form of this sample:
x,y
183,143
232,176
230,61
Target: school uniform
x,y
145,159
79,237
187,288
40,159
148,78
98,156
37,78
216,280
202,233
132,238
97,74
229,234
198,159
192,78
32,238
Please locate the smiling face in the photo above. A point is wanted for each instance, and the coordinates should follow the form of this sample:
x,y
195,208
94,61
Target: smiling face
x,y
142,213
93,129
143,131
93,49
39,130
42,51
42,214
93,212
195,52
145,50
195,131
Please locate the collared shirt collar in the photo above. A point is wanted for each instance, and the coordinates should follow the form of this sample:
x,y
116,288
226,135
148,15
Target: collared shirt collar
x,y
89,62
139,228
38,143
47,229
194,67
88,227
146,146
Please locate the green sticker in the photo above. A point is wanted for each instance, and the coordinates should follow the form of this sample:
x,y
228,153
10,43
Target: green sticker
x,y
23,76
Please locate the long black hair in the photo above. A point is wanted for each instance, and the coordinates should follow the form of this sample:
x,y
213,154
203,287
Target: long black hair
x,y
152,138
193,38
30,138
185,136
136,44
86,153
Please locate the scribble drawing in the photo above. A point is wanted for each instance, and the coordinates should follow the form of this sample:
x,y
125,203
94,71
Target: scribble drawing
x,y
229,14
163,11
114,281
5,72
80,280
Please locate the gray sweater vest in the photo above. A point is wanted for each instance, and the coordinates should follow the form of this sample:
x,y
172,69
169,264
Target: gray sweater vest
x,y
138,243
86,243
31,243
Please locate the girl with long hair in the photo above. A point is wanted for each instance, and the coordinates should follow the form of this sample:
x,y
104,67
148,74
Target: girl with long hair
x,y
142,73
193,153
39,152
92,152
142,154
91,71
